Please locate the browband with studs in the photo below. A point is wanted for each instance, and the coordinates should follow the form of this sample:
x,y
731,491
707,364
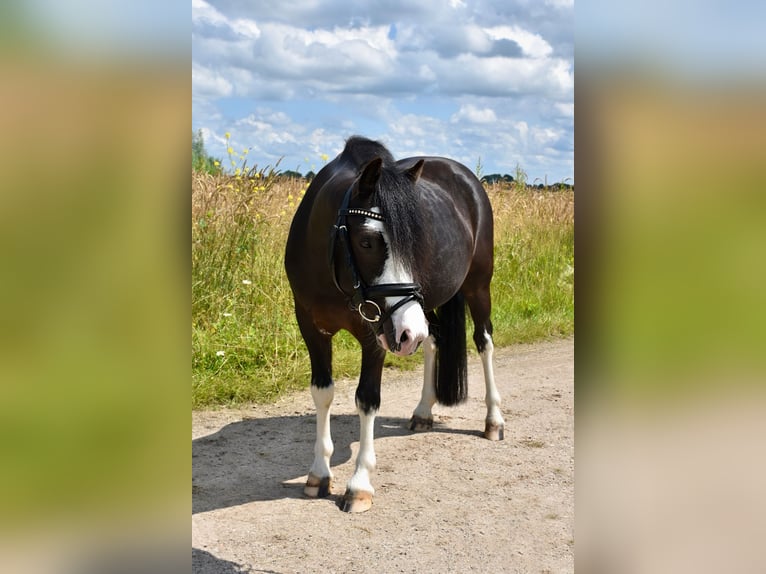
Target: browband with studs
x,y
362,212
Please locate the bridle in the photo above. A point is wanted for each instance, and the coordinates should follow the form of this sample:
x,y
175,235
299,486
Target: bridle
x,y
361,298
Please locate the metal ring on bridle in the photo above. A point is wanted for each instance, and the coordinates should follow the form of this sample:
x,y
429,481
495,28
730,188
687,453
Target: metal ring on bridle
x,y
378,313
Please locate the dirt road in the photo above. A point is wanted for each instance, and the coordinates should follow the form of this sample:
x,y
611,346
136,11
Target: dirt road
x,y
446,500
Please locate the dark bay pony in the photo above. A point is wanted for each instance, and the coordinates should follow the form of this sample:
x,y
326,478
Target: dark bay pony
x,y
392,251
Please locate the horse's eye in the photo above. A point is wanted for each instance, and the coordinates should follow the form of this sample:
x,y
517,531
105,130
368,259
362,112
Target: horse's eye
x,y
366,243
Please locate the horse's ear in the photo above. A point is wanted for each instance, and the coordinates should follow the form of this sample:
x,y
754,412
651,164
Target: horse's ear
x,y
370,176
414,172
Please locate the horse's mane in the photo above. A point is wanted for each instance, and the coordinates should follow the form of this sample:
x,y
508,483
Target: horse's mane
x,y
395,195
360,150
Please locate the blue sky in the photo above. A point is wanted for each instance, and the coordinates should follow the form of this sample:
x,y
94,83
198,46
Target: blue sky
x,y
489,79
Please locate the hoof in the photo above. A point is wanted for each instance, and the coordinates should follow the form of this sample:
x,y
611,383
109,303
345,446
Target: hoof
x,y
317,487
420,424
493,431
356,501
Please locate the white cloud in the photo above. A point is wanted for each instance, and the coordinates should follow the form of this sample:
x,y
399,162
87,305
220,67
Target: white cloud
x,y
206,83
246,28
474,115
498,76
522,128
426,73
202,12
476,40
326,61
416,127
561,4
294,80
532,44
543,136
565,108
363,59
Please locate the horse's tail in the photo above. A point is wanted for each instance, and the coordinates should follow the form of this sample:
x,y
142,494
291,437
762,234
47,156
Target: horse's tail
x,y
451,362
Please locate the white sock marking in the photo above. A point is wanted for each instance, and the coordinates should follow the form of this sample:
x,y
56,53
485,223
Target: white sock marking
x,y
492,397
365,460
428,395
323,447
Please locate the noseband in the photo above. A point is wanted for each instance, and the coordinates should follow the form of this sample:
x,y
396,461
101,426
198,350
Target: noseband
x,y
361,299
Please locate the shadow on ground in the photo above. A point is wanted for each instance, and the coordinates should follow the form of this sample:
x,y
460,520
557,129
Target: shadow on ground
x,y
203,561
265,458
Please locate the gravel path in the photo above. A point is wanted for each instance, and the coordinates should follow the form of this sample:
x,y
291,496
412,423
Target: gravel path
x,y
446,500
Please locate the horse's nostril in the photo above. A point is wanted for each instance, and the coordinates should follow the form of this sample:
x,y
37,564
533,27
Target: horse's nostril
x,y
405,337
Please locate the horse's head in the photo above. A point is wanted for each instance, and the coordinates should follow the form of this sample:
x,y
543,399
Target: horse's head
x,y
382,234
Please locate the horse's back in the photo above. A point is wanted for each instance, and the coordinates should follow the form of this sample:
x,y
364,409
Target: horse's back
x,y
446,176
458,214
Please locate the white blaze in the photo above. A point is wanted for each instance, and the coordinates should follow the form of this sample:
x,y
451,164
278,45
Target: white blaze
x,y
408,319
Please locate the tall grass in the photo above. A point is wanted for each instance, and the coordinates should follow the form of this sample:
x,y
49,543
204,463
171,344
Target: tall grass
x,y
245,344
533,285
245,341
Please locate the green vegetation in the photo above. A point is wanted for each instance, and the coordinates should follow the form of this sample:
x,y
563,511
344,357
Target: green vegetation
x,y
533,286
245,342
201,161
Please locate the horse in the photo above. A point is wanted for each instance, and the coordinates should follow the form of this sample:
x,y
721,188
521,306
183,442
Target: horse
x,y
392,252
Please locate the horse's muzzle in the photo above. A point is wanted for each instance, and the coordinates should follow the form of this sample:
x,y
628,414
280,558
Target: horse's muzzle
x,y
402,348
403,334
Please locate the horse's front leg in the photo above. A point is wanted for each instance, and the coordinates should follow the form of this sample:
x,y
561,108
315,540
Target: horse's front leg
x,y
359,489
319,481
319,344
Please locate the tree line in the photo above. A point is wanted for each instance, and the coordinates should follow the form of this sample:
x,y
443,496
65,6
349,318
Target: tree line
x,y
204,162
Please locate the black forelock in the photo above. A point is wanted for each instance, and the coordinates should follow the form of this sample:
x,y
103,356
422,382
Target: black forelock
x,y
396,197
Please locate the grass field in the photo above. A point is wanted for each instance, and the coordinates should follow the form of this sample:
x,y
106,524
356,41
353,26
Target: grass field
x,y
245,342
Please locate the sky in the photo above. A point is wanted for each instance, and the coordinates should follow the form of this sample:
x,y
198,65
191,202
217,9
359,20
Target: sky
x,y
489,83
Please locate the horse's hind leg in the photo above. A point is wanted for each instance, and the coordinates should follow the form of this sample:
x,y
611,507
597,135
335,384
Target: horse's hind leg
x,y
479,303
319,482
422,417
494,425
